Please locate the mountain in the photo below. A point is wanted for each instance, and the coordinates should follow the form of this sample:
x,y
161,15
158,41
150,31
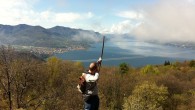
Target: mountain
x,y
58,36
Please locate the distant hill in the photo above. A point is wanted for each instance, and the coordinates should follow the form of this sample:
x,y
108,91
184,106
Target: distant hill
x,y
55,37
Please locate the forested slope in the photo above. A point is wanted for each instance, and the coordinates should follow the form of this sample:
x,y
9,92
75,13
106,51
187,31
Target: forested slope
x,y
29,83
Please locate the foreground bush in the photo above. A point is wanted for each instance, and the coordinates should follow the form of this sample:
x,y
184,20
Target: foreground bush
x,y
147,96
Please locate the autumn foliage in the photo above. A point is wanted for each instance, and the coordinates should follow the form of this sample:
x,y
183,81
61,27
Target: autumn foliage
x,y
29,83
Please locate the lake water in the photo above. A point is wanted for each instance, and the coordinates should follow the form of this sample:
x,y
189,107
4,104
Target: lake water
x,y
132,52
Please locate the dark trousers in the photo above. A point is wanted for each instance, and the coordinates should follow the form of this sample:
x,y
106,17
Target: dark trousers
x,y
92,103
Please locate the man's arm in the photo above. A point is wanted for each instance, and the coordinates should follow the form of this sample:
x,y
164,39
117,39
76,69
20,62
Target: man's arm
x,y
99,62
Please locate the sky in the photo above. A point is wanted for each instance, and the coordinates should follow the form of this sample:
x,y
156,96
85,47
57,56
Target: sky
x,y
162,20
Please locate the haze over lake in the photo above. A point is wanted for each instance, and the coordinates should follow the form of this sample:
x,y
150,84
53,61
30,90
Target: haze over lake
x,y
132,52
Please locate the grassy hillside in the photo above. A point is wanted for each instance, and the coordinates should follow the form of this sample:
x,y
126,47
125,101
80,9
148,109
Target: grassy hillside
x,y
30,83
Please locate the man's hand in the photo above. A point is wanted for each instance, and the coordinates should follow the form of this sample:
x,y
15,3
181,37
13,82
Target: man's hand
x,y
83,75
82,78
99,60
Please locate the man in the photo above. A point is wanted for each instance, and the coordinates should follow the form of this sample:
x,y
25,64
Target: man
x,y
90,93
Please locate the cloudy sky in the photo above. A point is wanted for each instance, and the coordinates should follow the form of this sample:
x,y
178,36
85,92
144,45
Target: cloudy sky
x,y
163,20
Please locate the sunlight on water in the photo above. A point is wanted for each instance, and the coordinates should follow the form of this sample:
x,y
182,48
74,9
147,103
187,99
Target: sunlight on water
x,y
133,52
149,49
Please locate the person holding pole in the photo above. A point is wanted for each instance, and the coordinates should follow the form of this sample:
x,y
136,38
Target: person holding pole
x,y
88,84
90,93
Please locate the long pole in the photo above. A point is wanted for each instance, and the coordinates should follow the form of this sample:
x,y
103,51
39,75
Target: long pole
x,y
103,47
101,56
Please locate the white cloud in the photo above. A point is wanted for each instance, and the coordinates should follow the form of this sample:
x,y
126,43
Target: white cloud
x,y
92,37
21,11
122,27
169,20
66,17
89,15
11,11
192,1
130,15
131,20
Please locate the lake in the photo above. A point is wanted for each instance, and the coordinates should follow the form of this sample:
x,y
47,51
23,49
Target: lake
x,y
132,52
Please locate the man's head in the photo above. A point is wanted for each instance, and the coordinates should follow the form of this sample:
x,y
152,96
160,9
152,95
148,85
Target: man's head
x,y
93,67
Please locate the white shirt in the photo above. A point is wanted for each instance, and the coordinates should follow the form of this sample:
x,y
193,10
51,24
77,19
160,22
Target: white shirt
x,y
92,78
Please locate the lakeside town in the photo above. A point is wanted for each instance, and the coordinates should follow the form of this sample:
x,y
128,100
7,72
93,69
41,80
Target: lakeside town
x,y
47,50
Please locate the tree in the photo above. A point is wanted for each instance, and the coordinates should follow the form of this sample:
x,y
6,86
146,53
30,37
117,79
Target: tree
x,y
123,68
167,63
61,86
29,83
149,69
22,80
192,63
6,75
147,96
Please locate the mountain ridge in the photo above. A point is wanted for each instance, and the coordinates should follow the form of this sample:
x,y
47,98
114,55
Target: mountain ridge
x,y
27,35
